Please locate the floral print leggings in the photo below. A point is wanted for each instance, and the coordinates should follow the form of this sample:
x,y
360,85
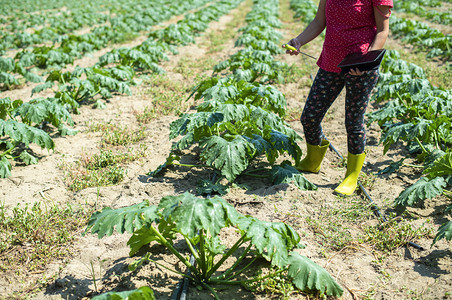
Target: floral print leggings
x,y
324,90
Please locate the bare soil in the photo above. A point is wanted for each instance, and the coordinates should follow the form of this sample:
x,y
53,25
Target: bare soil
x,y
404,273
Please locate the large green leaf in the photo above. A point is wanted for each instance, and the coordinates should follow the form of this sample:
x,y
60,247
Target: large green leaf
x,y
26,134
289,174
441,167
140,238
284,143
123,219
262,146
233,112
421,190
191,214
192,123
306,274
5,168
143,293
444,231
273,240
230,157
27,158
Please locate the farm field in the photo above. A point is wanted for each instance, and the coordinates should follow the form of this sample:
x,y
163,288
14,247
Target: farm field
x,y
138,104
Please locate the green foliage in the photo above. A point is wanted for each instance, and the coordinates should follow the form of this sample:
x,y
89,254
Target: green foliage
x,y
441,167
46,230
123,219
208,187
445,231
419,114
199,221
231,130
421,190
432,15
142,293
423,36
286,173
230,157
396,232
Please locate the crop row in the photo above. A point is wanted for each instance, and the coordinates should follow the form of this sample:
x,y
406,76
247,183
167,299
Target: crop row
x,y
421,115
14,36
75,46
237,121
444,18
305,9
20,122
241,118
422,36
93,13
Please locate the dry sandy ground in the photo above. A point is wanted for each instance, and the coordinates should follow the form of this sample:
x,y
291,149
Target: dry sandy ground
x,y
426,273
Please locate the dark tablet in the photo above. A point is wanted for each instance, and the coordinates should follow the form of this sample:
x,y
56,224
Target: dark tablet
x,y
364,62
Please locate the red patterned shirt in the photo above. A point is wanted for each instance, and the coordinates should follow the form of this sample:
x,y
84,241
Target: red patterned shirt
x,y
350,28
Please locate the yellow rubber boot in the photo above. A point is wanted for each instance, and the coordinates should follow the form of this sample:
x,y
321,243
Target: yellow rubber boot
x,y
314,156
354,165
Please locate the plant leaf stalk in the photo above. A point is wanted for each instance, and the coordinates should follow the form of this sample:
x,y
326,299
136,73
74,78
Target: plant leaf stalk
x,y
226,255
170,247
234,266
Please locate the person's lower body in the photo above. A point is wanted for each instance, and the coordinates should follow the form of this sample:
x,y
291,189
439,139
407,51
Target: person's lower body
x,y
324,91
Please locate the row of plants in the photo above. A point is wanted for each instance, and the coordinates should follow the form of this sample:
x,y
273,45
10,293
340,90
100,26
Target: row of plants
x,y
15,35
236,117
418,8
428,3
24,123
8,8
70,47
423,37
303,9
420,115
240,119
19,19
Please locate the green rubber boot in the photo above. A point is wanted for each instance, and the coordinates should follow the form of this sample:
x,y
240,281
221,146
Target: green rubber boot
x,y
314,156
354,165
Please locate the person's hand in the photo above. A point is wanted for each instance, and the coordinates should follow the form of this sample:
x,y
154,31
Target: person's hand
x,y
295,44
356,72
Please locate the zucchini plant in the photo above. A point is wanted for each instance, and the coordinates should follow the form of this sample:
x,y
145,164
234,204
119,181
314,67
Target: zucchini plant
x,y
420,115
17,131
237,122
199,222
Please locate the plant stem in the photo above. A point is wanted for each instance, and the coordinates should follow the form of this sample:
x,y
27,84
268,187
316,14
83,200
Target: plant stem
x,y
242,270
191,166
447,193
413,166
193,251
235,282
234,266
435,134
420,144
202,252
7,151
226,255
207,287
170,247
